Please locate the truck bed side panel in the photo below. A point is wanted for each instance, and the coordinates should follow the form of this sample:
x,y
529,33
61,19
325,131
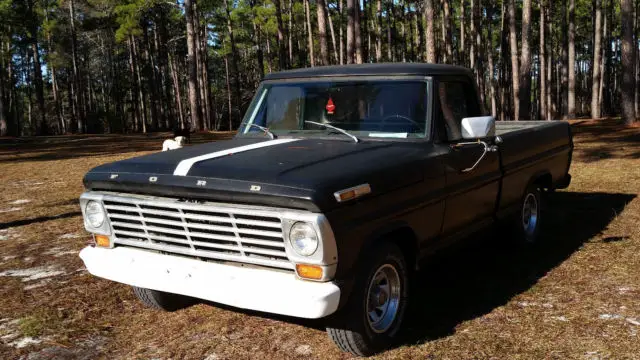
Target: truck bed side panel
x,y
531,150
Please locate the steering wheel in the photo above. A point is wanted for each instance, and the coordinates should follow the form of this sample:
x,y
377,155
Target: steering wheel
x,y
401,117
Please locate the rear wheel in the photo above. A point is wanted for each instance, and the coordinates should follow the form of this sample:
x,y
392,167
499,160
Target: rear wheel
x,y
372,318
162,300
527,222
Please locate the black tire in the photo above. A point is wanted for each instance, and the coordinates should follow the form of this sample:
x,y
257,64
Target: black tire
x,y
351,329
161,300
526,222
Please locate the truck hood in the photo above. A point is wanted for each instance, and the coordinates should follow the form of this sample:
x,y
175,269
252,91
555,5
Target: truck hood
x,y
298,173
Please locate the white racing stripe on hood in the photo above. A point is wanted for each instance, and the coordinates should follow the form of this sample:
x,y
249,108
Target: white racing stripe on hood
x,y
185,165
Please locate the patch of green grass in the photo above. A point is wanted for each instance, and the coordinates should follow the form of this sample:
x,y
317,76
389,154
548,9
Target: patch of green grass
x,y
31,326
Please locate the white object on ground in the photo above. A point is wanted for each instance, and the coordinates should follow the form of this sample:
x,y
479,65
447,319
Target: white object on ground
x,y
35,273
24,342
172,144
21,201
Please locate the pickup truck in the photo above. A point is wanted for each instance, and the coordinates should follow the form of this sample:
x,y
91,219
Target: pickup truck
x,y
339,182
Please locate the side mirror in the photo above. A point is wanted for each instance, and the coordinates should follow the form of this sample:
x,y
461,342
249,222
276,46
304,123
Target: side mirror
x,y
478,127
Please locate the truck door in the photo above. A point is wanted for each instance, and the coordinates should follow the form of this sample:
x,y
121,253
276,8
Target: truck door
x,y
471,195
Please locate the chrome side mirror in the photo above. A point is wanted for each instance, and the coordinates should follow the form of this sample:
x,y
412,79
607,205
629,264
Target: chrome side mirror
x,y
478,127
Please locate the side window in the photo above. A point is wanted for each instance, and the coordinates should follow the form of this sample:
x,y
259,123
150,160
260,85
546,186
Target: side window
x,y
456,103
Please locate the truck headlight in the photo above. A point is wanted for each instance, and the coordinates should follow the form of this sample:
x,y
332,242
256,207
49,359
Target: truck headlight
x,y
303,238
95,214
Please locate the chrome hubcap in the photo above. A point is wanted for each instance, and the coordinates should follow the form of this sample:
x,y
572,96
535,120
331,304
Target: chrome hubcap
x,y
530,214
383,298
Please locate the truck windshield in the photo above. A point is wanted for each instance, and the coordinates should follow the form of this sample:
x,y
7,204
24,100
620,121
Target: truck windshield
x,y
381,108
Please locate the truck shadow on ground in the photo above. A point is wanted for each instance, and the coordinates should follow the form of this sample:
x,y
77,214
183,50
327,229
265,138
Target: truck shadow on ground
x,y
480,274
485,271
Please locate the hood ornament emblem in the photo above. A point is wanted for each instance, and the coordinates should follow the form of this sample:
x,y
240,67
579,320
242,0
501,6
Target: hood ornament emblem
x,y
255,188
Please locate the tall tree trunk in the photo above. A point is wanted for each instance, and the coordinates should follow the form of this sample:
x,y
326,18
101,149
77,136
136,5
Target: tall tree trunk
x,y
234,62
54,83
135,102
446,36
307,12
389,33
595,84
333,36
176,90
76,88
226,68
472,32
152,81
341,31
350,31
513,45
549,51
479,71
571,96
194,103
356,32
4,128
430,43
503,63
379,30
322,32
489,52
282,51
37,71
565,63
204,70
524,91
138,87
603,70
543,61
628,53
290,34
462,60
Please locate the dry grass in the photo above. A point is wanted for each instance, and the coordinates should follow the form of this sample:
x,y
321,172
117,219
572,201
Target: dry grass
x,y
576,296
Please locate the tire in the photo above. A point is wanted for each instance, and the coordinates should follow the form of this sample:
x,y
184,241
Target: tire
x,y
363,333
161,300
526,222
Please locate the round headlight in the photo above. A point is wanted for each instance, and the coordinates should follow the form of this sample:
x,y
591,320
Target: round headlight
x,y
304,239
94,213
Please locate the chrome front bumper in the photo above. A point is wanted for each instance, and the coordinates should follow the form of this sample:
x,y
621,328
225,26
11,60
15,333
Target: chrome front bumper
x,y
257,289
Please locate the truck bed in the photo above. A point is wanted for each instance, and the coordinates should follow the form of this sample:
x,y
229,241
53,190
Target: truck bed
x,y
530,148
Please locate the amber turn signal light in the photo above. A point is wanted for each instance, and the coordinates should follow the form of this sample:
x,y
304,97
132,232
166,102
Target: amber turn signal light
x,y
312,272
103,241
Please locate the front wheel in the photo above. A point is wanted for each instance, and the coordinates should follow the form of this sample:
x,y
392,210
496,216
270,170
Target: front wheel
x,y
372,318
161,300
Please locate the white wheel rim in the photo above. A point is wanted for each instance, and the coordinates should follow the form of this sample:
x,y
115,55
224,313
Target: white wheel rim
x,y
383,298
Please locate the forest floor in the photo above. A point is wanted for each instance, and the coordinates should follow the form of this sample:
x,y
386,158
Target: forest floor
x,y
575,296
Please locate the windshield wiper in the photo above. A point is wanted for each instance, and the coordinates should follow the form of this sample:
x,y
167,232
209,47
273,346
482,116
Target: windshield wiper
x,y
265,130
342,131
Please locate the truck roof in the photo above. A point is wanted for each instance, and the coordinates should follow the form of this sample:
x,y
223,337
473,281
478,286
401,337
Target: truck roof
x,y
420,69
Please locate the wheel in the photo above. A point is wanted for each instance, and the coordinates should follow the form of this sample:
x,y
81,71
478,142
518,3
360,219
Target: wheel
x,y
162,300
370,320
527,221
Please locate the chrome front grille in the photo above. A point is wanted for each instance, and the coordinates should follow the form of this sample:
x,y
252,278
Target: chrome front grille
x,y
209,231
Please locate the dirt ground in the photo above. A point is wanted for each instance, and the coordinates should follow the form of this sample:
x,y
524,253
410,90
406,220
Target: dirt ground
x,y
575,296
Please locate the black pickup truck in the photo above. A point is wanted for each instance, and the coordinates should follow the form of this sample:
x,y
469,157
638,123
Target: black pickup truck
x,y
338,183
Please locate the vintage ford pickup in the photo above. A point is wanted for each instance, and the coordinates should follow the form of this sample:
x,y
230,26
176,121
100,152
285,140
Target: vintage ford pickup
x,y
339,182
